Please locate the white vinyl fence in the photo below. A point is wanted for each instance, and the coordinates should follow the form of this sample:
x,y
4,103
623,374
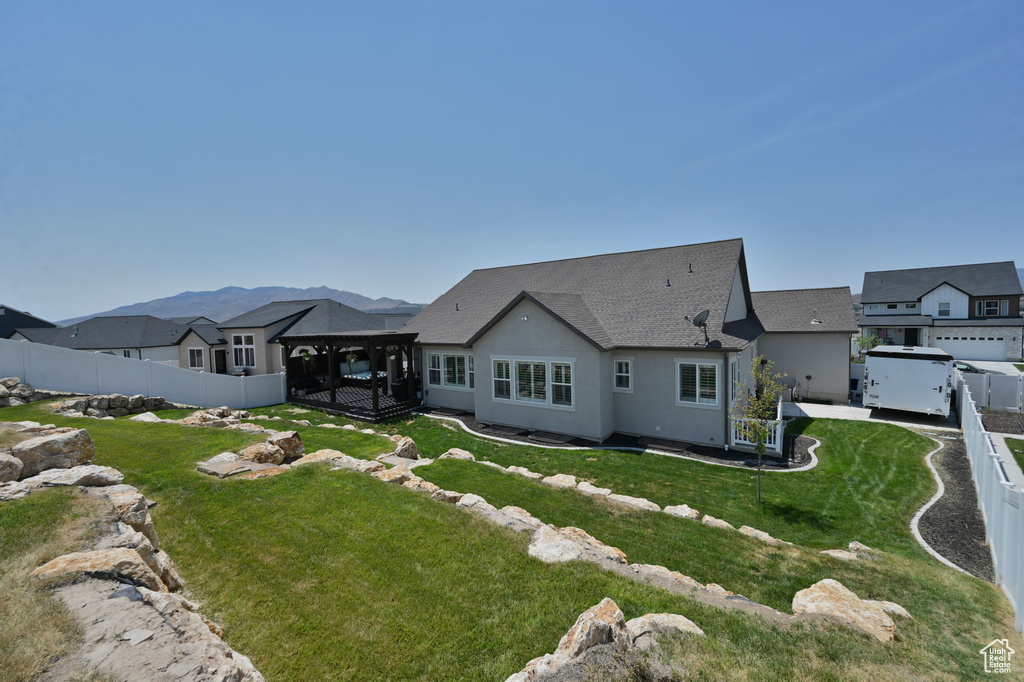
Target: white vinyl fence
x,y
999,500
60,369
1000,392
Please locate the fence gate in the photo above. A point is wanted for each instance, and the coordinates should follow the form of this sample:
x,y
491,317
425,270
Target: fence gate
x,y
978,383
1006,393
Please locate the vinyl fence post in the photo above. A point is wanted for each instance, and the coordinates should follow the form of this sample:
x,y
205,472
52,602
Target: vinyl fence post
x,y
149,378
245,395
24,361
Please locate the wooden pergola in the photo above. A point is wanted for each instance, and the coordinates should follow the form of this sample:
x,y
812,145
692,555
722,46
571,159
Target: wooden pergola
x,y
361,399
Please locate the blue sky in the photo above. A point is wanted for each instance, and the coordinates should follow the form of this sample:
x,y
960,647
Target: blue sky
x,y
390,148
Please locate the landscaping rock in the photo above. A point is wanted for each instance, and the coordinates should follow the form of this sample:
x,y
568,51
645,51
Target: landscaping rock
x,y
892,608
10,382
717,523
458,453
643,631
840,554
120,562
830,599
99,402
523,471
368,467
132,508
55,451
13,490
290,443
96,413
635,502
159,562
601,624
449,496
421,485
10,467
42,428
521,515
118,412
683,511
155,403
224,469
399,474
760,535
475,503
265,472
118,401
168,571
86,474
584,538
661,576
857,547
560,481
407,448
395,438
591,490
325,455
716,589
224,457
349,427
550,546
263,453
21,391
492,465
135,402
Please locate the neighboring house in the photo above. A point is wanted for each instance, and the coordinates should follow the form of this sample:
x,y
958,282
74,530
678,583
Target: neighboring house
x,y
204,349
190,320
970,311
592,346
143,337
252,340
11,319
807,337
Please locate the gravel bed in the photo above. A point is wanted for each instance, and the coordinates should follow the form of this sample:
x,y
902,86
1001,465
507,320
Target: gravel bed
x,y
795,448
953,526
1003,422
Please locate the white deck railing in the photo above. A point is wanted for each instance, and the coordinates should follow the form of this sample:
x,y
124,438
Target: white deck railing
x,y
50,368
775,435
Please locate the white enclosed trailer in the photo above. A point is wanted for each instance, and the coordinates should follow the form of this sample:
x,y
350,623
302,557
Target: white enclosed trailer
x,y
911,378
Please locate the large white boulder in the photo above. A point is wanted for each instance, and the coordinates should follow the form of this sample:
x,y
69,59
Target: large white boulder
x,y
54,451
86,474
832,600
643,631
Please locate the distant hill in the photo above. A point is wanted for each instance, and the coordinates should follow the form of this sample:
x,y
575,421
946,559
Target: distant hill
x,y
228,302
1020,274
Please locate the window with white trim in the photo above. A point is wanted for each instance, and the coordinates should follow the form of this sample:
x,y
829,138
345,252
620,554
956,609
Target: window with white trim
x,y
454,371
502,380
561,384
244,350
910,306
434,369
531,381
696,383
623,380
195,358
890,306
471,371
126,353
1005,308
943,309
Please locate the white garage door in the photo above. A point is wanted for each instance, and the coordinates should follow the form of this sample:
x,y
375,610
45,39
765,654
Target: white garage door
x,y
972,347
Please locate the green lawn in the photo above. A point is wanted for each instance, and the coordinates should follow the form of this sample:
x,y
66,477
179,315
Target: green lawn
x,y
1020,367
1017,448
335,575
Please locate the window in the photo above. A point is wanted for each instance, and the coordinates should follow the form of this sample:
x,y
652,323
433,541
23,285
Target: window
x,y
502,380
561,384
531,381
891,306
455,371
697,383
472,371
126,353
1005,308
284,357
434,369
245,350
910,306
623,380
195,358
943,308
873,306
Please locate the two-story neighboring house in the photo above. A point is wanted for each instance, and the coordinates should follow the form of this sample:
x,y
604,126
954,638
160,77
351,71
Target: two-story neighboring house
x,y
11,319
970,311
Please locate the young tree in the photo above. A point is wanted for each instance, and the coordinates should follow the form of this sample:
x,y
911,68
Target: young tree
x,y
866,343
754,412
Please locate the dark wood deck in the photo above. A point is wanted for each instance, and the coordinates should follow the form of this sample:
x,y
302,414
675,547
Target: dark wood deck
x,y
357,403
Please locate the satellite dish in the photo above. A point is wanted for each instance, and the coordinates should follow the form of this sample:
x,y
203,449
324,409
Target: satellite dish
x,y
701,320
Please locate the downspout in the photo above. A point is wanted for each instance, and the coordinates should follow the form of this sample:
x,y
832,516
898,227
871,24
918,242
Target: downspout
x,y
728,407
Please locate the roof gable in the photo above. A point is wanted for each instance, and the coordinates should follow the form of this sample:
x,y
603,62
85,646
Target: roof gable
x,y
637,299
795,310
569,309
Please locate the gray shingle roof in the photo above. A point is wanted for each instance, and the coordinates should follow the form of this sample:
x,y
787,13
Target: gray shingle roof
x,y
617,300
330,317
11,319
793,310
209,333
126,331
981,279
268,314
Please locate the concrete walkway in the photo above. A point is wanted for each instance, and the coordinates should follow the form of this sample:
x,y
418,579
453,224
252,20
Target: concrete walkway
x,y
867,414
996,367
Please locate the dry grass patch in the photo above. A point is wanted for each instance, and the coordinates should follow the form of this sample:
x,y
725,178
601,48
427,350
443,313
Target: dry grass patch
x,y
35,626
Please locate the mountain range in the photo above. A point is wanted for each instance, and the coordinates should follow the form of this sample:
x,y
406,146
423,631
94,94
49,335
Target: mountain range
x,y
223,304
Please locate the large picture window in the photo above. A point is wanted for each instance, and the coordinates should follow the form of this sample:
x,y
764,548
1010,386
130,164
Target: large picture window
x,y
697,383
531,381
244,350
